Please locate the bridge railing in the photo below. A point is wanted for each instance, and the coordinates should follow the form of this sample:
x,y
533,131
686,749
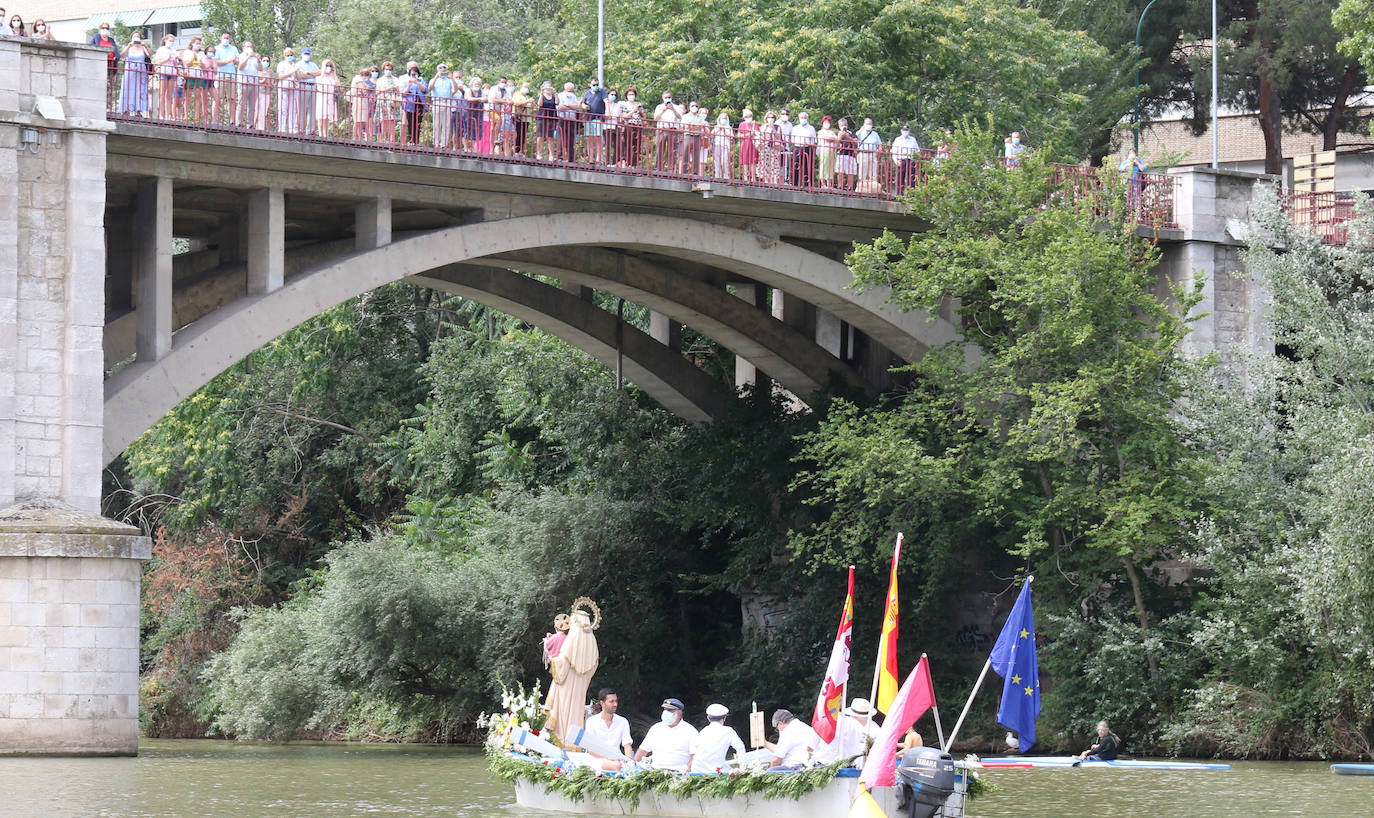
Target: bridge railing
x,y
1329,214
266,106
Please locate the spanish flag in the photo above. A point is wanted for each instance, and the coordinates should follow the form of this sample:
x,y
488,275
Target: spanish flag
x,y
887,646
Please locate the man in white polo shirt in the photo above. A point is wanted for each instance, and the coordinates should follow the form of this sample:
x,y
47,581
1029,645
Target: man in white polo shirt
x,y
609,730
714,741
669,741
796,742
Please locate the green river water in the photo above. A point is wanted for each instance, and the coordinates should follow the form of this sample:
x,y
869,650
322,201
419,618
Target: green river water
x,y
219,779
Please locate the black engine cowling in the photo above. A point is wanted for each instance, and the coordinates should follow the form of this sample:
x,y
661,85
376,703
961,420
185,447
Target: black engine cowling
x,y
925,778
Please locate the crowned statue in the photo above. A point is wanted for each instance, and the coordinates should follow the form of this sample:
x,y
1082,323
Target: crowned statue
x,y
572,660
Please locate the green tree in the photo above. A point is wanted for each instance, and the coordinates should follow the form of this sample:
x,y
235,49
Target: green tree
x,y
931,62
270,26
1050,423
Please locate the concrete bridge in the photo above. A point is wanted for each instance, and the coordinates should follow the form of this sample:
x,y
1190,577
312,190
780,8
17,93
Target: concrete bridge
x,y
138,261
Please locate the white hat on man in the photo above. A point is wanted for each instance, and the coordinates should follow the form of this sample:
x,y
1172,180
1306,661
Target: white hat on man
x,y
717,711
859,707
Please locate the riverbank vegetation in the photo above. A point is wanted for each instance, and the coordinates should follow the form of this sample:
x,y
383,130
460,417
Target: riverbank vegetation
x,y
365,528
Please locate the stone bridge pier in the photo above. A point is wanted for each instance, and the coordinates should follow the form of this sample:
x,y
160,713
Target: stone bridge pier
x,y
69,579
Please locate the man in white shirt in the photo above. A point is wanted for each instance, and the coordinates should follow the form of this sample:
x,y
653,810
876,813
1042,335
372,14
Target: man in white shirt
x,y
568,106
854,733
803,152
714,741
609,730
904,151
669,741
796,742
667,122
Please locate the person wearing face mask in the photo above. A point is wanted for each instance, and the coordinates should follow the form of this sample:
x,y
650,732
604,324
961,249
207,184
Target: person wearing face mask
x,y
441,91
846,163
133,87
785,131
307,75
414,102
546,122
165,66
388,104
804,152
41,30
669,743
360,92
1014,149
226,97
326,98
102,38
869,145
594,118
770,149
722,139
476,104
288,98
199,73
693,137
521,108
17,29
248,67
568,107
631,124
826,142
610,128
748,146
667,124
904,151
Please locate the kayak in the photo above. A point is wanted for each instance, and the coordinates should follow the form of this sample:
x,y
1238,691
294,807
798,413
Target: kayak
x,y
1120,763
1353,769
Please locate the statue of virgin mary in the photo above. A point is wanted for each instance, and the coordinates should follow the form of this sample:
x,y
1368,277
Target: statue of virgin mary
x,y
572,667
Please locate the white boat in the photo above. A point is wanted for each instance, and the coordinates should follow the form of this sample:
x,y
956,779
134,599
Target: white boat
x,y
831,800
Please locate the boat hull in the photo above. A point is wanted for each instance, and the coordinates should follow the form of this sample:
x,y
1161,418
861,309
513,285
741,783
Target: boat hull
x,y
830,801
1119,764
1353,769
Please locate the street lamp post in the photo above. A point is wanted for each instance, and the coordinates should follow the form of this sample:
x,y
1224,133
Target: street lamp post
x,y
1214,85
1135,118
601,40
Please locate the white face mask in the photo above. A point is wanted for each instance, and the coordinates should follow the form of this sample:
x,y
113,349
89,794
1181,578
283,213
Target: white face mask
x,y
667,716
630,97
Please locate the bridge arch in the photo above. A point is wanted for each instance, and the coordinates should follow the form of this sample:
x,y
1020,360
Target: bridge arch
x,y
140,394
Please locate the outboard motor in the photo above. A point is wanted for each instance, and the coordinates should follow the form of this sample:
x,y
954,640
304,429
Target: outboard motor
x,y
925,778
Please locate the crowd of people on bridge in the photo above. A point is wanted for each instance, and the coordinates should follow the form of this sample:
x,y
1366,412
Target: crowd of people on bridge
x,y
233,85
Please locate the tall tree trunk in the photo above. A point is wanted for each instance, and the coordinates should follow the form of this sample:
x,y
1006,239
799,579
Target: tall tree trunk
x,y
1139,592
1271,124
1332,127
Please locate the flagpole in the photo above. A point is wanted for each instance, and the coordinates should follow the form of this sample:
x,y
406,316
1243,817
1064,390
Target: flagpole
x,y
939,728
967,705
986,665
878,664
844,688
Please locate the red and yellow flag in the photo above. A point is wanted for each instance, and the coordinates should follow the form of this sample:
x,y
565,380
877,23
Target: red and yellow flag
x,y
887,645
831,699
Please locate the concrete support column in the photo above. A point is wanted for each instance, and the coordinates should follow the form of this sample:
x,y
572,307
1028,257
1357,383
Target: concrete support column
x,y
746,374
69,593
584,293
792,311
372,223
1213,211
69,580
266,240
119,262
153,267
830,333
665,330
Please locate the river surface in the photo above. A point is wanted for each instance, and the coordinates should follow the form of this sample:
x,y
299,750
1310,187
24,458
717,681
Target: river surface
x,y
211,779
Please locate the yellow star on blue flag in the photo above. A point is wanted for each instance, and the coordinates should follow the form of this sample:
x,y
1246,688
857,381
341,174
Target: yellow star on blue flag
x,y
1014,659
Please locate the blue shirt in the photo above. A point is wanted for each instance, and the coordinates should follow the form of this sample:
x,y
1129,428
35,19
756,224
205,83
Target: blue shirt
x,y
595,100
226,52
307,65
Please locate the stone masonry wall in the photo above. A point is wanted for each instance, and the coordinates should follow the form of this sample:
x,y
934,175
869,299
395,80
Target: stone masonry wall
x,y
52,268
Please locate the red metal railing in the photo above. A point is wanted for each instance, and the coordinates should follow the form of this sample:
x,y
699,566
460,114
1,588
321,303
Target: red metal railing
x,y
1150,196
350,113
1329,214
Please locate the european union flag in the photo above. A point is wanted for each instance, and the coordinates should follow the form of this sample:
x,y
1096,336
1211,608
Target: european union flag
x,y
1013,657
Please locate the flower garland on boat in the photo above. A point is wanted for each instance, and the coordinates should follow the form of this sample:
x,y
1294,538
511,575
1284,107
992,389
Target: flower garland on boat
x,y
522,709
587,783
